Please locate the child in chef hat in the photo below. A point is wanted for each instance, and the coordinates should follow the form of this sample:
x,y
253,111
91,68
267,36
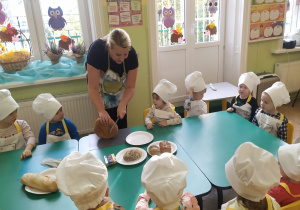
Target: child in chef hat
x,y
83,177
267,117
57,128
161,109
195,85
289,162
164,178
252,172
244,104
14,134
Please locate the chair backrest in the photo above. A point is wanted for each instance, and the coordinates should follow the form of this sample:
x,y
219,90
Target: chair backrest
x,y
292,206
147,111
290,132
185,113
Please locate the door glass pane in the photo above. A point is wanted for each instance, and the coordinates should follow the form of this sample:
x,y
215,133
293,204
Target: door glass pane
x,y
171,17
207,27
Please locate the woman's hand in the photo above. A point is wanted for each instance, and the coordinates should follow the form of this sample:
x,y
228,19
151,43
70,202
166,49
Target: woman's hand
x,y
163,123
104,118
121,111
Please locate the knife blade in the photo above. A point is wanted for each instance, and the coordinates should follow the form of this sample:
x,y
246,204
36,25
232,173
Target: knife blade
x,y
114,125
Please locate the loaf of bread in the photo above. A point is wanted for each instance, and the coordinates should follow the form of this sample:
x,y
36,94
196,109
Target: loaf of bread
x,y
154,150
104,131
165,146
41,182
132,155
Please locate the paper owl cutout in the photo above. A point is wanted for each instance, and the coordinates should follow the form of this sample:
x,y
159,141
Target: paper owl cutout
x,y
212,6
56,21
211,29
2,15
65,42
168,17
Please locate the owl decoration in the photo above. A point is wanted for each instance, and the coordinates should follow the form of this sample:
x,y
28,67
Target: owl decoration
x,y
65,42
2,15
168,17
56,21
212,6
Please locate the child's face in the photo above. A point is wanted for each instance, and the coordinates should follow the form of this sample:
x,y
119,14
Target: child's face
x,y
58,116
10,119
157,101
266,103
244,91
199,95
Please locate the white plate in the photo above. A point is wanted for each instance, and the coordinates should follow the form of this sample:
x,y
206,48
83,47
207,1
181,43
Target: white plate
x,y
120,154
48,172
156,143
139,138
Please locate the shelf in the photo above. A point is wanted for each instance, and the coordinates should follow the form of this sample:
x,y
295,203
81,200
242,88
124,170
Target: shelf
x,y
281,51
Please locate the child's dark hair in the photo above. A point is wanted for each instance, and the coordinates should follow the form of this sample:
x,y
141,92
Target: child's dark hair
x,y
154,94
251,205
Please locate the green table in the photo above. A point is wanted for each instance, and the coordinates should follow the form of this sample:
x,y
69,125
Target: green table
x,y
125,181
211,140
13,195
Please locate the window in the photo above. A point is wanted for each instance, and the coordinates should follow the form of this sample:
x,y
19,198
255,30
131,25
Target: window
x,y
292,24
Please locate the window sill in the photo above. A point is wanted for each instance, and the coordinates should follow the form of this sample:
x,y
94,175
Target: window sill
x,y
281,51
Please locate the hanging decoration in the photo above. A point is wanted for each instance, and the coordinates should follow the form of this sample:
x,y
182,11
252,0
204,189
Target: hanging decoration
x,y
56,21
212,6
168,17
176,36
211,29
65,42
2,15
7,33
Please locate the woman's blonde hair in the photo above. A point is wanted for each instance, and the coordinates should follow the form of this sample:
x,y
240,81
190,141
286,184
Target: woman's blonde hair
x,y
261,205
118,37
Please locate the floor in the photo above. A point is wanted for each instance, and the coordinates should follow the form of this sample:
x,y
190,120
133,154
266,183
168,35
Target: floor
x,y
210,201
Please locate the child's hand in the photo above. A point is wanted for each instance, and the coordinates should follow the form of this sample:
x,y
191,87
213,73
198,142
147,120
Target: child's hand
x,y
230,109
191,91
150,126
163,123
25,154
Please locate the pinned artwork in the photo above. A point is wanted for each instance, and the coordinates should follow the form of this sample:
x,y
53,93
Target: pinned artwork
x,y
177,36
168,17
7,33
2,15
212,6
65,42
255,16
56,21
211,29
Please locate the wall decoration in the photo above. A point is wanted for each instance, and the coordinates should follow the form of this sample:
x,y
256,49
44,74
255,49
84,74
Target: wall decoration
x,y
177,36
266,19
56,21
7,33
212,6
2,15
124,12
168,17
65,42
211,29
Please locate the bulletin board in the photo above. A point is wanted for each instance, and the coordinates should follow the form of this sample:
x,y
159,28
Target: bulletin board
x,y
267,18
124,13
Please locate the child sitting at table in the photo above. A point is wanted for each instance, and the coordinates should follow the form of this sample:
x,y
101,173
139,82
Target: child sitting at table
x,y
57,128
244,104
161,109
14,134
83,177
195,85
267,117
289,162
164,178
252,172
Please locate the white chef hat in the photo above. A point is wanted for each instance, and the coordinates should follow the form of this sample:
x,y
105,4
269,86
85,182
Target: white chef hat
x,y
7,104
279,94
83,177
195,80
252,172
165,90
164,178
46,105
249,79
289,159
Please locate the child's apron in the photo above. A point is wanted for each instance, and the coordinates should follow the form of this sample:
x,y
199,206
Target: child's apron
x,y
198,107
268,123
51,138
244,110
286,187
16,141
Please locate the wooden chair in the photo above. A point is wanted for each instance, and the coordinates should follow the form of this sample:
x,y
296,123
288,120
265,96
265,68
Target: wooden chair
x,y
147,111
184,113
292,206
290,132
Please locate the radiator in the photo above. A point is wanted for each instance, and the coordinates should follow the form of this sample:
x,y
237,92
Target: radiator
x,y
78,108
289,73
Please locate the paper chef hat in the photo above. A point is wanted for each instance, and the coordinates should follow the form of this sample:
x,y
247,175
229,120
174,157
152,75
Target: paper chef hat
x,y
46,105
289,159
252,171
165,90
7,104
164,178
195,80
83,177
279,94
249,79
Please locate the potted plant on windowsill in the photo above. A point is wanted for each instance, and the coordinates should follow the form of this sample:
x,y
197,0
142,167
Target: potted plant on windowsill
x,y
78,51
54,52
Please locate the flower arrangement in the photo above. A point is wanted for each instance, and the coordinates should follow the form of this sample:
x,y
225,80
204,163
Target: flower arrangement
x,y
54,52
2,49
78,50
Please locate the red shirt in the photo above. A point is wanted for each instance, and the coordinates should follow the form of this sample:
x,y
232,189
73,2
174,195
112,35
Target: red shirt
x,y
282,196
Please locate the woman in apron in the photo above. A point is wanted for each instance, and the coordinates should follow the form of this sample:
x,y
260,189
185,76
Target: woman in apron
x,y
14,134
112,65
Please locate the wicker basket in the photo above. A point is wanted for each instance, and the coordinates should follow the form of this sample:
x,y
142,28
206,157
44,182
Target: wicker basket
x,y
53,57
78,57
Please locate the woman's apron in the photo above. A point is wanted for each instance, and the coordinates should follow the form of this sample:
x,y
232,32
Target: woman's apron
x,y
286,187
268,123
51,138
112,87
198,107
16,141
269,201
244,110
